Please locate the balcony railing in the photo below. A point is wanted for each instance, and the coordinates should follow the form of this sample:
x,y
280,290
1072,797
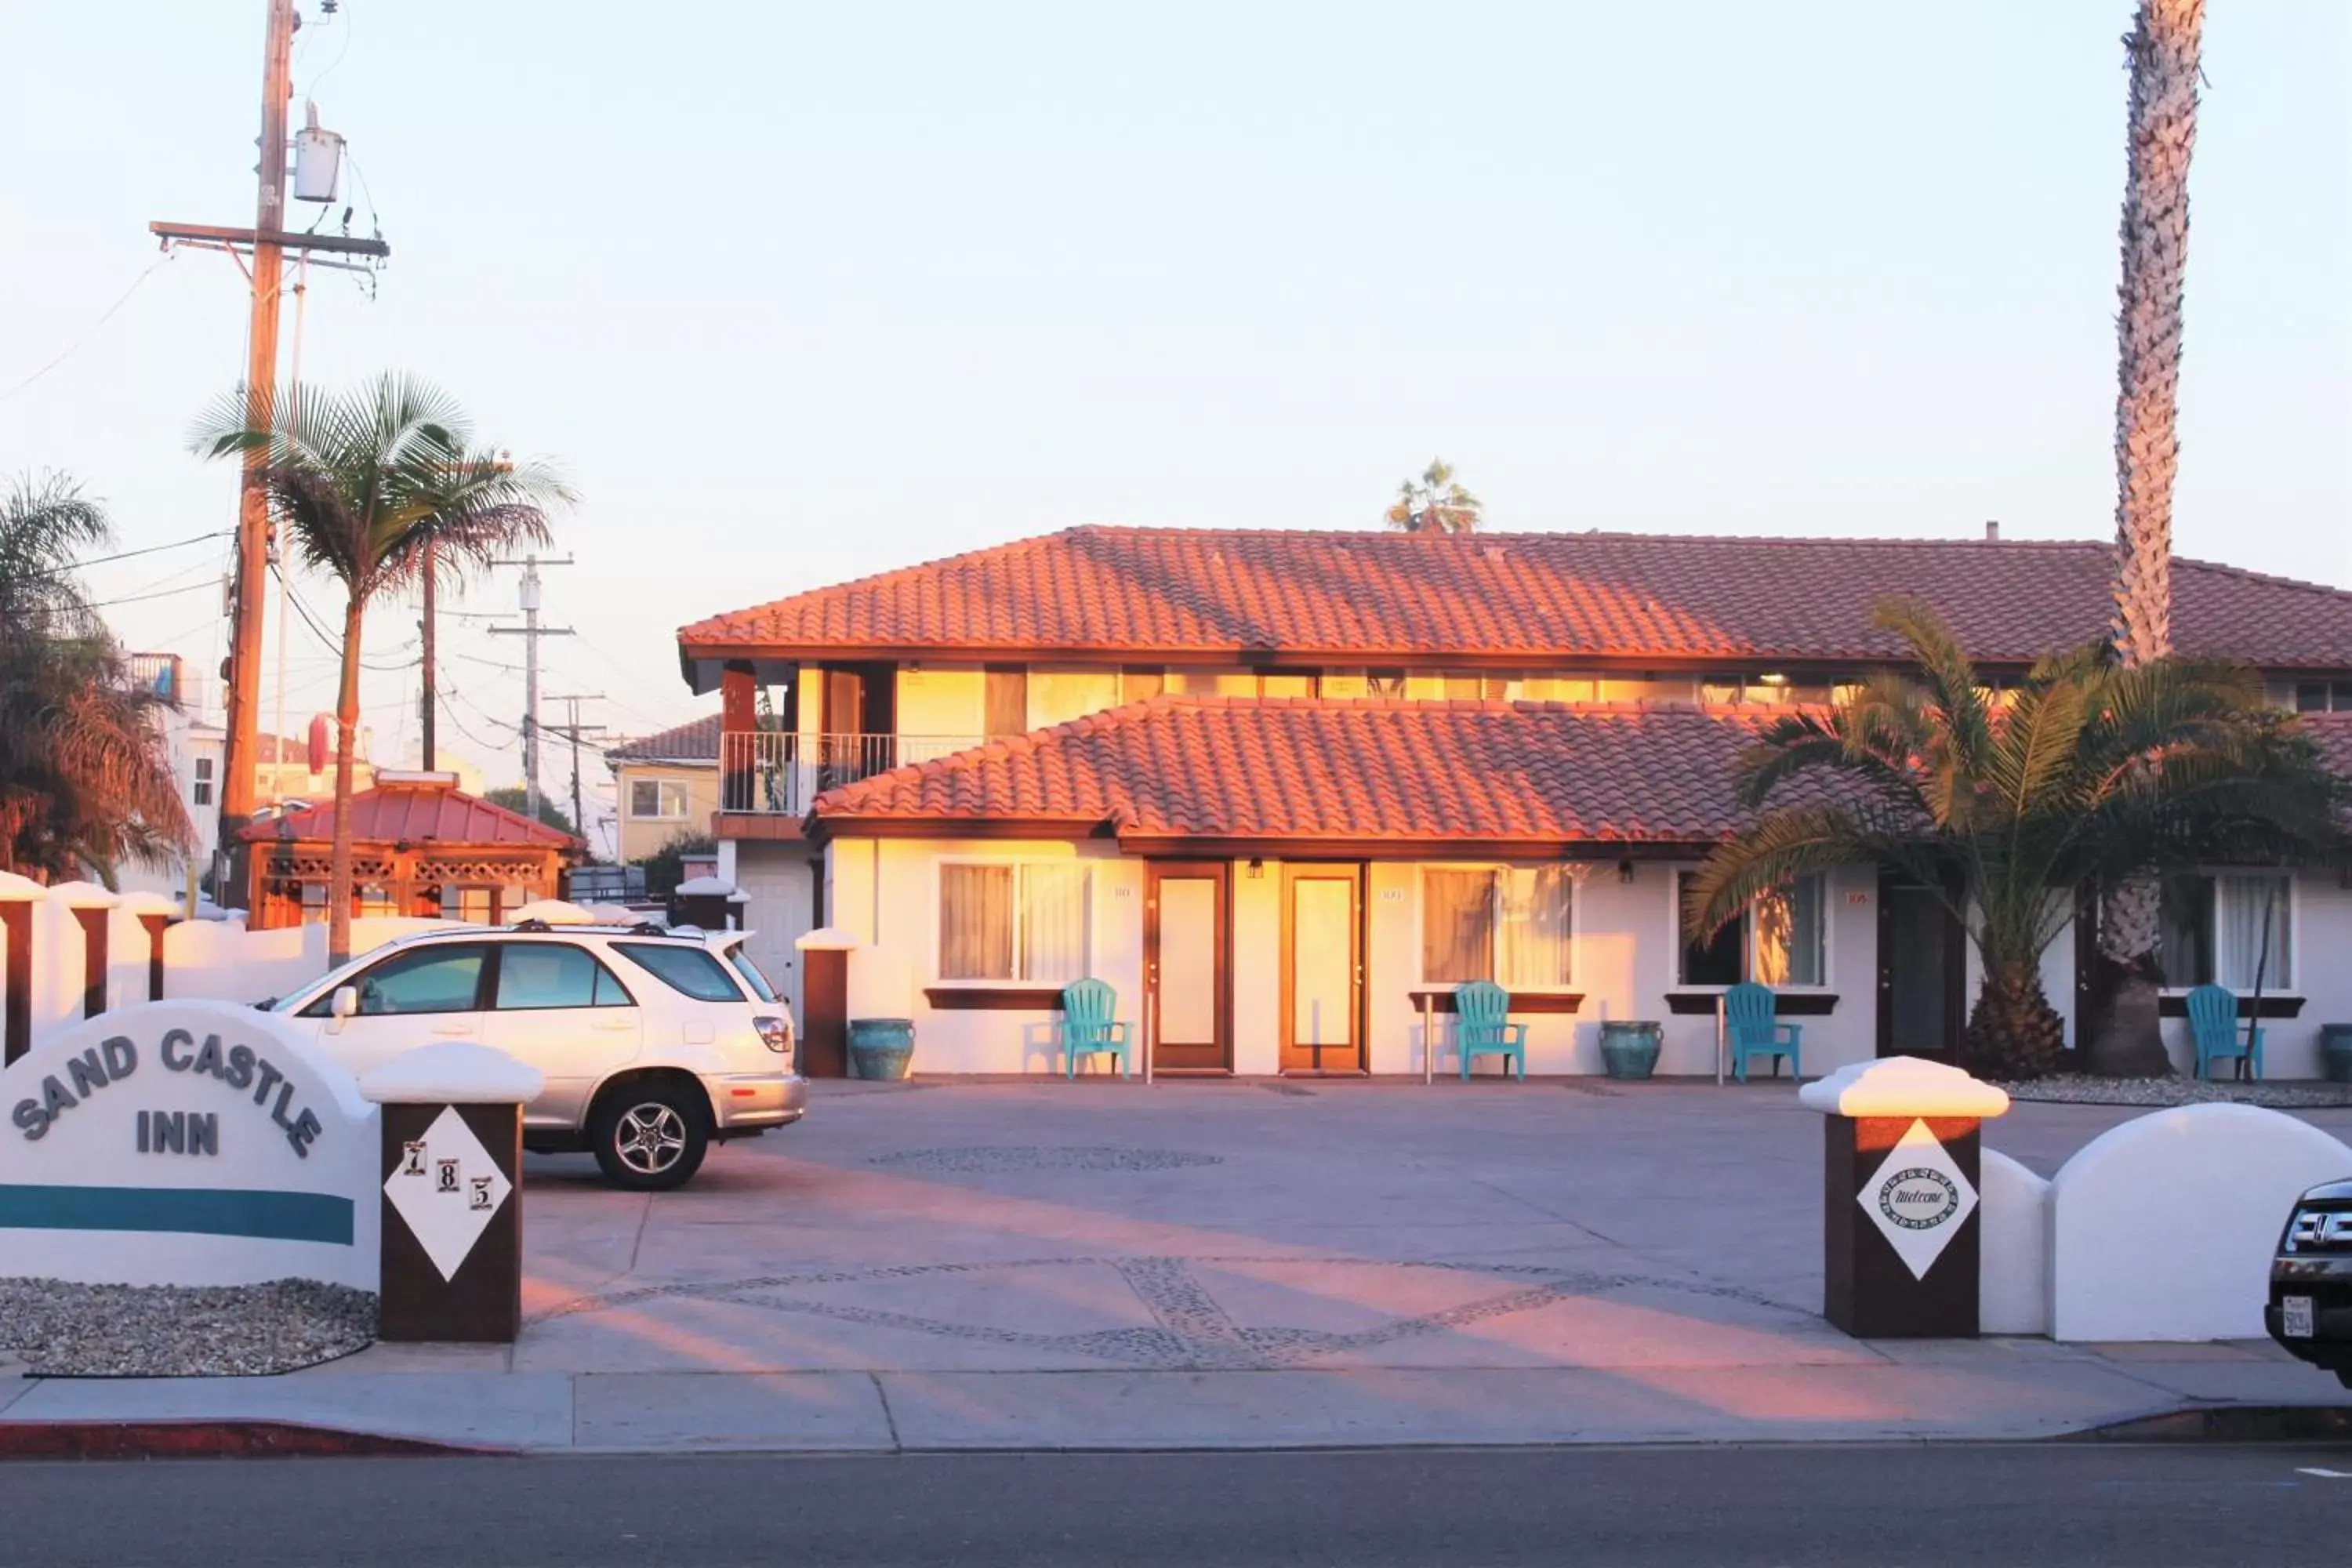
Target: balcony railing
x,y
770,774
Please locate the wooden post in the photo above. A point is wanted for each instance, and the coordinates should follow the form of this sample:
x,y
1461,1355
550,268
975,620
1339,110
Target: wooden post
x,y
824,999
93,922
738,714
17,989
154,925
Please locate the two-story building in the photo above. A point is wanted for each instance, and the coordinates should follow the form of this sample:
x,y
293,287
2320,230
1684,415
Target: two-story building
x,y
1286,790
667,786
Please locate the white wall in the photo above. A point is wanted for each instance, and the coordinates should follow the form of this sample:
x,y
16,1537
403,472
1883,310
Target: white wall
x,y
935,700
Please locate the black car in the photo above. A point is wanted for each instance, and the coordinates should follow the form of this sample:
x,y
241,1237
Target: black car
x,y
2311,1280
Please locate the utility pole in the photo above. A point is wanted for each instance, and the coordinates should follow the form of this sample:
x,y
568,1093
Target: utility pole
x,y
261,252
530,631
572,701
431,700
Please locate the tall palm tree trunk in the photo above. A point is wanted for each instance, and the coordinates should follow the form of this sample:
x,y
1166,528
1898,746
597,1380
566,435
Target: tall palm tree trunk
x,y
2164,44
347,723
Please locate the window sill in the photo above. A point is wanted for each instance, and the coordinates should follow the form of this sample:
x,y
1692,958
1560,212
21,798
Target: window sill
x,y
1785,1003
2175,1004
1535,1003
993,998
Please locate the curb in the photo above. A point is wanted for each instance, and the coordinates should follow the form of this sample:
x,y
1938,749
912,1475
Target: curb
x,y
2228,1423
207,1440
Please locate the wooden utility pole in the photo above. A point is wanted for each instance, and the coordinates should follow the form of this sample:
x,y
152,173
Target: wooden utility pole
x,y
261,252
572,700
432,700
244,715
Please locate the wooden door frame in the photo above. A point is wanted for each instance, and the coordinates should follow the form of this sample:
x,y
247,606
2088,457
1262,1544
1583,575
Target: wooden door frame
x,y
1293,873
1956,965
1222,873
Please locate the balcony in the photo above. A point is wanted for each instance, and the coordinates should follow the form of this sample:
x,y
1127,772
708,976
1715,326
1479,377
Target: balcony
x,y
771,774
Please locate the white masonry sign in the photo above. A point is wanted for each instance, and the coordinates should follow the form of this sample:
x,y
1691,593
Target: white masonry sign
x,y
448,1189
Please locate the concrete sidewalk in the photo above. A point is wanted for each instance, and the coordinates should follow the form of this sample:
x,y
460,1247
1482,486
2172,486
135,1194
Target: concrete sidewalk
x,y
1990,1390
1201,1266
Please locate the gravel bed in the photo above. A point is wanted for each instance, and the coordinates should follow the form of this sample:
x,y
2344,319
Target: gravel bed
x,y
2080,1088
167,1330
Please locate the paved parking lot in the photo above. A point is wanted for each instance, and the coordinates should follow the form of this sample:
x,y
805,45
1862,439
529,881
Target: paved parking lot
x,y
1050,1224
1041,1265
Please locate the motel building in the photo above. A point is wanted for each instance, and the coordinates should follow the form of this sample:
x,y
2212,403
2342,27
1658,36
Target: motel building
x,y
1285,791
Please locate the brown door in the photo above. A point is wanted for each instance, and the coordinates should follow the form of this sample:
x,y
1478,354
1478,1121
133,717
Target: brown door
x,y
1922,972
1323,969
1188,965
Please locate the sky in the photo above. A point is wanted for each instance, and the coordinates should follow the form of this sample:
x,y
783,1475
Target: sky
x,y
793,293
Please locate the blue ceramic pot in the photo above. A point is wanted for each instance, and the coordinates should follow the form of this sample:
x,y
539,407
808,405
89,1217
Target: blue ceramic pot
x,y
1629,1049
881,1048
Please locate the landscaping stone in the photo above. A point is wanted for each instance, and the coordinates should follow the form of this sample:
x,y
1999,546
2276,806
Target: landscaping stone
x,y
2084,1089
61,1329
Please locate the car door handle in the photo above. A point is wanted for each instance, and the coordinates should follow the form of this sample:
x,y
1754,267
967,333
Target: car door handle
x,y
462,1025
614,1025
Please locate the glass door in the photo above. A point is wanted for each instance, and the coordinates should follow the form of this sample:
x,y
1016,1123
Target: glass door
x,y
1322,969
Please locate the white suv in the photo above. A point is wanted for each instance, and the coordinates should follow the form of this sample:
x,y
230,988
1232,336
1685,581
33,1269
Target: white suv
x,y
653,1043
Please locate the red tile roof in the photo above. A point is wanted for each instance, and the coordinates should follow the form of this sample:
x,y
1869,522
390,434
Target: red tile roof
x,y
415,814
696,740
1373,597
1238,768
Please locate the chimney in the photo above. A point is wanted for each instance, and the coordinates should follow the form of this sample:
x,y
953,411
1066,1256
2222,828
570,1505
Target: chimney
x,y
1992,532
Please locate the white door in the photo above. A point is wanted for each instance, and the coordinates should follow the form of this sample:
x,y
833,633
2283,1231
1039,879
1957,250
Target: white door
x,y
557,1007
412,999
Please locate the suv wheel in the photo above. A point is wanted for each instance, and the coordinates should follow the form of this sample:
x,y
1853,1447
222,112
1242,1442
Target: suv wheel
x,y
652,1136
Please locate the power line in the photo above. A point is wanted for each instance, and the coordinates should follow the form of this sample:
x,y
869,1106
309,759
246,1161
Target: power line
x,y
94,326
72,566
332,644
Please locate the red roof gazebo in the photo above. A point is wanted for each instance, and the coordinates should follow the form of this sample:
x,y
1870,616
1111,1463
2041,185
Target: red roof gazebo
x,y
420,846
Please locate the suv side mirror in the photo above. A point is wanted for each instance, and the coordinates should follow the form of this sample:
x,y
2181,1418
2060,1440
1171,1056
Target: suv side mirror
x,y
345,1002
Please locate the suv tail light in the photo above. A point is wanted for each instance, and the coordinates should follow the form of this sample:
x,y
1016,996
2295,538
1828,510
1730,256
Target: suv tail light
x,y
776,1034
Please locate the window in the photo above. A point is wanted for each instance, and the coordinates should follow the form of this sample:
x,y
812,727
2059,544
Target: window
x,y
1287,683
1783,939
1006,699
1387,683
203,790
1212,682
1508,924
2231,930
1003,921
555,975
657,800
471,905
753,975
2323,696
688,970
445,978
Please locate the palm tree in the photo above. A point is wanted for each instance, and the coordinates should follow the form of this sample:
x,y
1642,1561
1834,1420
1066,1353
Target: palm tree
x,y
2084,770
363,485
2163,47
85,778
1434,503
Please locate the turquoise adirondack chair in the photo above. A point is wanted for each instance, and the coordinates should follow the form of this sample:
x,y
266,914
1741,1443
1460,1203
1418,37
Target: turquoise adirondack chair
x,y
1483,1028
2213,1023
1750,1030
1087,1028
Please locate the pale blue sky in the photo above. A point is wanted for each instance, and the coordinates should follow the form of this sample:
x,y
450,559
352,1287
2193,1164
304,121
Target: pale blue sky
x,y
799,292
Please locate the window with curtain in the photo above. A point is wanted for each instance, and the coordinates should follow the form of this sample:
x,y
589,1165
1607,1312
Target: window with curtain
x,y
1508,924
1018,922
2234,929
1783,939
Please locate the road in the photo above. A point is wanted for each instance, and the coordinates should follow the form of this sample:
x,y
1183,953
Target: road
x,y
2015,1506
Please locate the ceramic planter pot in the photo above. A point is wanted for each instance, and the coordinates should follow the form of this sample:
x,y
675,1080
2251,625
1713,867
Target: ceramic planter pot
x,y
881,1048
1629,1048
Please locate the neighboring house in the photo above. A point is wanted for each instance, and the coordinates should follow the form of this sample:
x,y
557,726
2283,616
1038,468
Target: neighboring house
x,y
666,784
194,743
1286,790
